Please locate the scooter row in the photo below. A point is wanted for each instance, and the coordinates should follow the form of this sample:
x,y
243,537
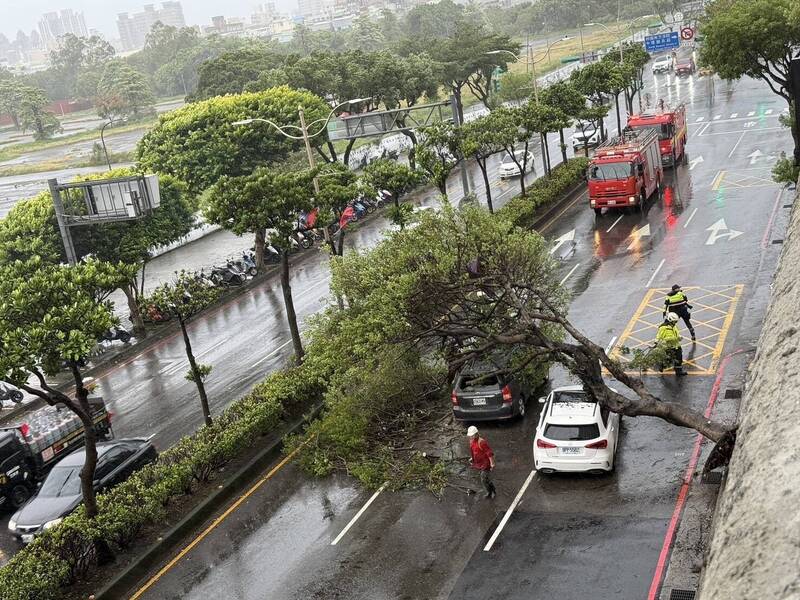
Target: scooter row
x,y
364,205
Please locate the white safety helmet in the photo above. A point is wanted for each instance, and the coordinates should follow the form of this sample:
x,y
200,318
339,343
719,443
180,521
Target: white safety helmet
x,y
672,317
472,431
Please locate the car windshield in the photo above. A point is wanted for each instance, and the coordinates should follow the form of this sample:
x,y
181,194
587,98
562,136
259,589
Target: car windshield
x,y
572,433
571,396
605,171
62,481
663,130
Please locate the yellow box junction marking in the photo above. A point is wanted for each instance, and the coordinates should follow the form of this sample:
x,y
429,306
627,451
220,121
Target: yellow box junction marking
x,y
712,314
735,180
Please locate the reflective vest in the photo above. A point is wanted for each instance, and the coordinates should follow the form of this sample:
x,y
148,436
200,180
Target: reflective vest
x,y
668,335
677,300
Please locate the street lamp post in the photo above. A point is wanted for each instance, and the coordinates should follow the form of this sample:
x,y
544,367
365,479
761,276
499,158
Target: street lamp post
x,y
304,130
103,140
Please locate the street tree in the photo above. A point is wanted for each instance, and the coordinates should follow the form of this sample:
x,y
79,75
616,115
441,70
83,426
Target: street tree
x,y
514,126
76,63
338,185
398,179
483,287
482,138
53,315
543,119
184,298
231,71
33,114
432,21
514,87
276,198
754,38
11,95
631,71
594,81
198,143
123,92
565,97
438,153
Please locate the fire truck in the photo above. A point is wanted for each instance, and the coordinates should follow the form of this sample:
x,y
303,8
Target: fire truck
x,y
625,171
670,124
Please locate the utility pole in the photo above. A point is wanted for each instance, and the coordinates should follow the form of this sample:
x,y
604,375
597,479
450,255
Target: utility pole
x,y
457,123
311,162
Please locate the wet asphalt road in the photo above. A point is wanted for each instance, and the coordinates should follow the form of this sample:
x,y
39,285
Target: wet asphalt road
x,y
571,537
409,545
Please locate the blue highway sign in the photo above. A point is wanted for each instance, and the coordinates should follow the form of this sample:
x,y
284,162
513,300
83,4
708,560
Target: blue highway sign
x,y
662,41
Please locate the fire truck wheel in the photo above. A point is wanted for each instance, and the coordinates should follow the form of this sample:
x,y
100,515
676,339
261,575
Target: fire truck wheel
x,y
19,495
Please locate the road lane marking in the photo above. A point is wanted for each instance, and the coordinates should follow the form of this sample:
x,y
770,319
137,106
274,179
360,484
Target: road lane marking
x,y
768,111
575,268
717,180
271,354
734,115
358,514
613,224
760,130
153,580
689,220
510,510
566,208
653,276
751,113
699,119
610,344
736,145
717,117
214,347
688,476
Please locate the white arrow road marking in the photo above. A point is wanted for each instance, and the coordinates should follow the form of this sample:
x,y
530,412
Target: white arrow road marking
x,y
717,230
567,237
717,117
750,124
695,162
734,115
754,156
639,233
751,113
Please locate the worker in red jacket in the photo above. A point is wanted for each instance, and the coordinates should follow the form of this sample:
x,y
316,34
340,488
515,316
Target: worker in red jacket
x,y
482,459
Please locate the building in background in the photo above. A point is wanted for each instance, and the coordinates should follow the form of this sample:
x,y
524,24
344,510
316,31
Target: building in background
x,y
133,28
53,25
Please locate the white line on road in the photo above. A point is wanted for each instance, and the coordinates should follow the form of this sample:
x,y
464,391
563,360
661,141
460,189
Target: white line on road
x,y
734,115
768,111
214,347
358,515
575,268
736,145
510,510
689,220
717,117
699,119
611,344
614,224
271,354
653,276
751,113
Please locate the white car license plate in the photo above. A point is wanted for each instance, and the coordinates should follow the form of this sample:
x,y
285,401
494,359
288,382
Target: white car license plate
x,y
479,402
27,538
575,450
612,202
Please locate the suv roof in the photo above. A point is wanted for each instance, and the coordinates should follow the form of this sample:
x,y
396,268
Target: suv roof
x,y
571,413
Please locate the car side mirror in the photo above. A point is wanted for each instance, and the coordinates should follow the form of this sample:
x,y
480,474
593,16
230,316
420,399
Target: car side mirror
x,y
39,485
542,400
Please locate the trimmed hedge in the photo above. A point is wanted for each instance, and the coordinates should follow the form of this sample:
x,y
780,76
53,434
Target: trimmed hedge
x,y
522,210
65,553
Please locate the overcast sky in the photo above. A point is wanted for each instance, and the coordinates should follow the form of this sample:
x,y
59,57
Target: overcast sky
x,y
102,14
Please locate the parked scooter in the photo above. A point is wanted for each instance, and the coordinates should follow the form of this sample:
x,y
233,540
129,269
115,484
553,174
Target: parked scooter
x,y
271,254
226,277
249,263
117,333
10,393
384,198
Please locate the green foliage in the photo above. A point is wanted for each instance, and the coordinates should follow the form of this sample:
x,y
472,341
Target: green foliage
x,y
391,175
438,153
198,143
785,171
123,92
523,210
203,371
231,71
32,114
30,229
183,297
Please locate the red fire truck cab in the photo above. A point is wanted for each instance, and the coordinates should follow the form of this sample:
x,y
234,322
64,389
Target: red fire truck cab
x,y
670,124
625,171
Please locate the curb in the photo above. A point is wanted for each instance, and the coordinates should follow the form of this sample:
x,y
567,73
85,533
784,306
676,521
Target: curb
x,y
139,568
551,210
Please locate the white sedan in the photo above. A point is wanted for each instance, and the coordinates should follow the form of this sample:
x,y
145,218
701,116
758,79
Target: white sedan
x,y
509,168
575,434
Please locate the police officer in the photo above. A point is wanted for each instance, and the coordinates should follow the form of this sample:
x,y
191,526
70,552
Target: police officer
x,y
669,338
677,302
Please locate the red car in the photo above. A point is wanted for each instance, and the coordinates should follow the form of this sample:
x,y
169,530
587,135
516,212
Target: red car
x,y
685,66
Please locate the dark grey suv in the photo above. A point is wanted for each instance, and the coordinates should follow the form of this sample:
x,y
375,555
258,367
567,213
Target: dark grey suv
x,y
479,394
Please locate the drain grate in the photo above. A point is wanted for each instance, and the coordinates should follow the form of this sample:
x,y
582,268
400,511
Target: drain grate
x,y
777,241
733,393
682,594
787,206
712,478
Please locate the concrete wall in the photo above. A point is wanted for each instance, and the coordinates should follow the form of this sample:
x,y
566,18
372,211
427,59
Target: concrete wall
x,y
755,549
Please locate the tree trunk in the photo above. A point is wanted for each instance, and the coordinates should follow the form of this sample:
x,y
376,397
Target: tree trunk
x,y
141,281
482,165
563,145
546,157
261,240
15,118
291,315
201,388
619,120
332,150
413,152
347,150
340,245
136,316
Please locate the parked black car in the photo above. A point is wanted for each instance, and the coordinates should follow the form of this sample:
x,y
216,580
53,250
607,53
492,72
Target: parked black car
x,y
60,492
479,394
